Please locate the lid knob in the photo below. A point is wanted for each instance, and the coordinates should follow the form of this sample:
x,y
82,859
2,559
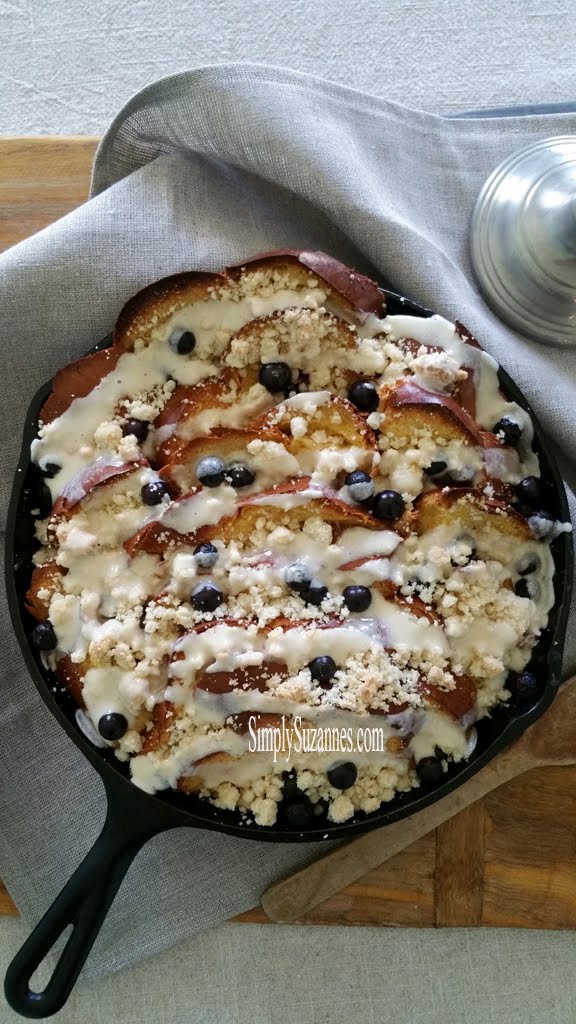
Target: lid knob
x,y
523,241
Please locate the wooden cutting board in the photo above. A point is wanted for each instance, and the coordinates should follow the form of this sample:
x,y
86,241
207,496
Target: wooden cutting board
x,y
509,859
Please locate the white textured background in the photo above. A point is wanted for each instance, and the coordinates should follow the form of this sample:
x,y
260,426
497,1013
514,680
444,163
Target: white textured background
x,y
66,66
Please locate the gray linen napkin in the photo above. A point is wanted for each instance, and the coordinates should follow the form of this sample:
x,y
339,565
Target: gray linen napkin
x,y
200,170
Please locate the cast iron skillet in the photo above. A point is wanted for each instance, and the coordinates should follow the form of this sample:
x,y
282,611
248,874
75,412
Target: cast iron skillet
x,y
133,816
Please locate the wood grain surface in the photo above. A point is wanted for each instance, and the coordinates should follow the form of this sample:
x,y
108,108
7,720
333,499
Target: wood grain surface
x,y
508,860
41,179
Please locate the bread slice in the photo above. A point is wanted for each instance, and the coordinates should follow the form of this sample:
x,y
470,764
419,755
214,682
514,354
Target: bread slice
x,y
256,510
45,582
349,293
191,400
335,423
102,494
260,277
76,380
230,400
263,508
100,473
494,525
306,339
413,605
194,783
164,716
457,702
228,445
71,675
411,411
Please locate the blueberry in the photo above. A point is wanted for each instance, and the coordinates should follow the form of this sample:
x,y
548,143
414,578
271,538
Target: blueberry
x,y
429,771
315,593
206,555
342,775
275,377
154,492
527,588
522,685
50,469
323,668
182,342
357,598
521,588
136,427
299,814
112,726
388,505
206,597
508,430
541,523
364,396
360,485
298,577
529,490
290,789
210,471
238,475
436,468
528,564
44,637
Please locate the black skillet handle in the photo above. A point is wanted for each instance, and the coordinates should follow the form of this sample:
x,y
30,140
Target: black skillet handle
x,y
83,903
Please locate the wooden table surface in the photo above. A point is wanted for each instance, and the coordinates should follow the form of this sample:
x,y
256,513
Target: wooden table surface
x,y
507,860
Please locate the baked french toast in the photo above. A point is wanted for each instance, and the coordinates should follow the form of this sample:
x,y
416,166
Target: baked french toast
x,y
297,546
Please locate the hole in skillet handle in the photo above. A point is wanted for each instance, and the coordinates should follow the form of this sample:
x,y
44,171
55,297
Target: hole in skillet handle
x,y
83,904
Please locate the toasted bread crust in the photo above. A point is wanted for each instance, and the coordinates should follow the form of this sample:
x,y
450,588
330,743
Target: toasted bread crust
x,y
338,419
457,702
225,444
408,407
163,717
47,577
283,326
71,675
159,300
358,290
90,479
242,525
414,605
472,509
155,538
162,299
76,380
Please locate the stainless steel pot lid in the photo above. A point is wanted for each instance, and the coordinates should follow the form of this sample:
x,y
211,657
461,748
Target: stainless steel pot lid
x,y
523,240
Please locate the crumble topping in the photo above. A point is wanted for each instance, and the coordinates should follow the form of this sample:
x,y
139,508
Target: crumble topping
x,y
437,369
